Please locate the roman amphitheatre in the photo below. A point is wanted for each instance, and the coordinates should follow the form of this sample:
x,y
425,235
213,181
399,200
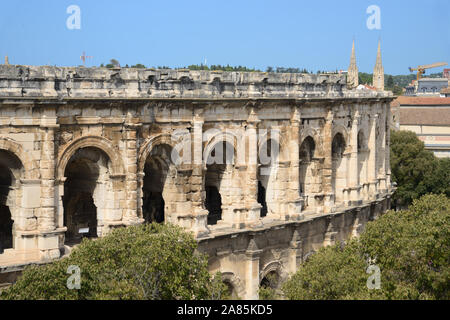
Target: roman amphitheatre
x,y
263,168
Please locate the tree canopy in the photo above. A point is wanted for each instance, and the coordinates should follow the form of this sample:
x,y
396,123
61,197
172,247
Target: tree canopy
x,y
137,262
416,170
411,248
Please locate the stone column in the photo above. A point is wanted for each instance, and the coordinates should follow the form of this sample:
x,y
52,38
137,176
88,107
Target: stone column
x,y
251,190
130,212
353,175
382,158
295,252
295,202
47,218
371,164
252,271
327,164
199,213
388,146
48,240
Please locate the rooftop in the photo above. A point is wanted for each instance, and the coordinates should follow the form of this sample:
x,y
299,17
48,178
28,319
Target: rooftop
x,y
425,116
420,101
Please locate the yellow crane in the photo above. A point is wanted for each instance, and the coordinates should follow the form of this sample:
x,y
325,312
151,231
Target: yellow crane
x,y
421,69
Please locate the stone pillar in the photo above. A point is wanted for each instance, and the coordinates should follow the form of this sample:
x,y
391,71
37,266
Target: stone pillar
x,y
382,158
295,203
130,212
252,271
388,146
353,174
295,252
251,189
327,164
48,239
371,163
47,218
199,213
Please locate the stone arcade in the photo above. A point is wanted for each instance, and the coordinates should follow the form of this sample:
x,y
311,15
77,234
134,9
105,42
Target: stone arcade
x,y
92,148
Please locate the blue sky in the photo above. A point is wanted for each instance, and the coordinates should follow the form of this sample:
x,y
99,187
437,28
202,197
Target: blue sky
x,y
313,34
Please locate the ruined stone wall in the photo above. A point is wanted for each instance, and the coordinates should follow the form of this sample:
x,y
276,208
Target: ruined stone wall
x,y
305,162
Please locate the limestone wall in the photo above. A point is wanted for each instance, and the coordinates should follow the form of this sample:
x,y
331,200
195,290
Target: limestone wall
x,y
95,149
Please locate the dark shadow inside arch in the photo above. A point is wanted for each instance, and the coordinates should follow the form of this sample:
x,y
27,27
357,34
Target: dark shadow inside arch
x,y
155,174
80,212
262,199
337,150
271,280
216,165
307,150
6,222
268,154
10,168
213,203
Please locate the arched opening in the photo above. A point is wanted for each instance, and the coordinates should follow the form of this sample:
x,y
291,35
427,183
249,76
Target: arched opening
x,y
339,172
267,176
269,286
231,292
10,168
158,170
87,186
307,177
218,181
270,280
6,222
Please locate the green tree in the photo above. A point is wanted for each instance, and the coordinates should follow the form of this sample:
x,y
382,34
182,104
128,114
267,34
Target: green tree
x,y
411,167
390,82
411,248
139,65
138,262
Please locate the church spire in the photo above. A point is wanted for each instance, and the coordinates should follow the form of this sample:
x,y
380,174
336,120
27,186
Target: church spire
x,y
6,60
378,71
352,72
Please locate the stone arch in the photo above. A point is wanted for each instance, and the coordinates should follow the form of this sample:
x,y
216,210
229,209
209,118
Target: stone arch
x,y
339,166
283,154
11,200
149,144
309,180
308,255
338,128
228,137
31,170
160,190
270,165
275,268
221,181
313,133
99,162
238,287
114,154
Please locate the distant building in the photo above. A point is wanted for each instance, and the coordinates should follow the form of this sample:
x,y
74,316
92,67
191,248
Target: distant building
x,y
445,92
446,74
431,86
428,117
